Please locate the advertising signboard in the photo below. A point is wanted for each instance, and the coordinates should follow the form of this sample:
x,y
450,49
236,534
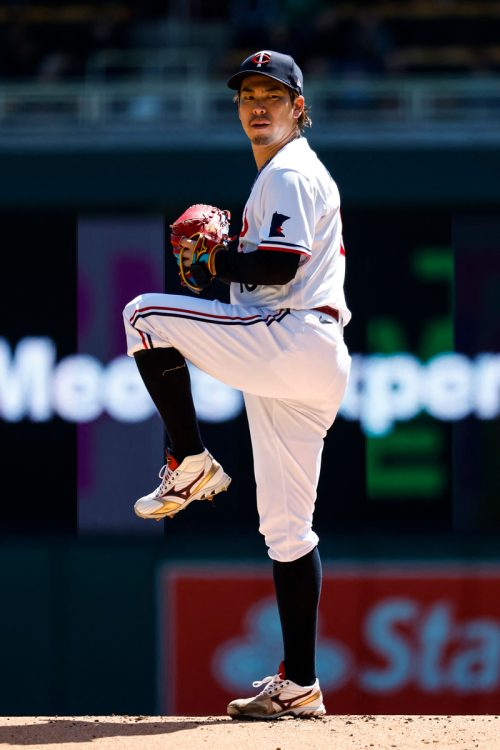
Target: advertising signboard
x,y
393,639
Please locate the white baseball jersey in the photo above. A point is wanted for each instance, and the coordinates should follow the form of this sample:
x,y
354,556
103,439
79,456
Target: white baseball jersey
x,y
294,207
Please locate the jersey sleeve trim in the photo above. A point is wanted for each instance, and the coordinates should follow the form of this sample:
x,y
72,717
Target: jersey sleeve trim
x,y
284,247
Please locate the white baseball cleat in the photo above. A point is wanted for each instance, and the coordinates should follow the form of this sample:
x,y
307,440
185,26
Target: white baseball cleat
x,y
280,697
198,477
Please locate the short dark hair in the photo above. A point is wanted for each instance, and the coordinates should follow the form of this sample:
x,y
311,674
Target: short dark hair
x,y
304,120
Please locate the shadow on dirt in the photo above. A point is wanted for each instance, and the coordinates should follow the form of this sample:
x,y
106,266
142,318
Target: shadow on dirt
x,y
55,731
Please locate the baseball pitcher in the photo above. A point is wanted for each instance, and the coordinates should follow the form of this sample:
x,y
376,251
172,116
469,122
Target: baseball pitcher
x,y
279,341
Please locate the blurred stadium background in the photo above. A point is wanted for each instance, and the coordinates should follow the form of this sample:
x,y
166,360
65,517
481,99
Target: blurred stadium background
x,y
113,117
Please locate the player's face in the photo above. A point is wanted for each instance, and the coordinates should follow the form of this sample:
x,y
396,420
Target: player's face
x,y
266,111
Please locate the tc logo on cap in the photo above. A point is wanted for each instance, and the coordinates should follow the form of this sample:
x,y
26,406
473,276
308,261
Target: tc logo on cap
x,y
261,58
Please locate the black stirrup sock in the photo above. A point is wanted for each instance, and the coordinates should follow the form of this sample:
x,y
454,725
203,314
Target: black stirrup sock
x,y
298,589
166,376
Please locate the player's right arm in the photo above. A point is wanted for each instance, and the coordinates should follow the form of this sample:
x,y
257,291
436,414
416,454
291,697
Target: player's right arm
x,y
260,267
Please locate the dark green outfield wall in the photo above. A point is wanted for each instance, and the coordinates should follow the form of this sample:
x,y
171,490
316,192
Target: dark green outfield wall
x,y
153,179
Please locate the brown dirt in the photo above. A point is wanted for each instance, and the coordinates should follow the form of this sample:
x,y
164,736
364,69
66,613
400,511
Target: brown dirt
x,y
221,733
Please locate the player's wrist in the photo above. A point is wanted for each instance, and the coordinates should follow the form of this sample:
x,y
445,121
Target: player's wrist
x,y
209,259
201,275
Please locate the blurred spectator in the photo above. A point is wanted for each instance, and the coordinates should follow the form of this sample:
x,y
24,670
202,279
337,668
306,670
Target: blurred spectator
x,y
55,66
368,44
339,44
252,21
20,52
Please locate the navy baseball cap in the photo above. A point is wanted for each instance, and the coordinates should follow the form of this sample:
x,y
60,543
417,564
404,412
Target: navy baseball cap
x,y
275,65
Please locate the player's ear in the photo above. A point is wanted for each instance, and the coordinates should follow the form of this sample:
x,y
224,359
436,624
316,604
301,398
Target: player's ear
x,y
298,106
236,100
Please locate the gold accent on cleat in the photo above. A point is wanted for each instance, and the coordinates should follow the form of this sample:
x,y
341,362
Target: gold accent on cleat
x,y
208,476
311,698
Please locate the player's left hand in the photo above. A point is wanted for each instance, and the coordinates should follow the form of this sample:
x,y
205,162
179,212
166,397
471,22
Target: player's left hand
x,y
197,236
194,273
184,250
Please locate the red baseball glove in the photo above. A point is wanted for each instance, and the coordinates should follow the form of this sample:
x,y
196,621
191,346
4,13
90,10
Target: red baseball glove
x,y
197,236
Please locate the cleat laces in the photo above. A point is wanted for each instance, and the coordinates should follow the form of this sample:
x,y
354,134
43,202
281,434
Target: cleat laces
x,y
165,475
271,684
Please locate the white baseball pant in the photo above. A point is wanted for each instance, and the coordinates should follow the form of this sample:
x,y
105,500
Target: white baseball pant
x,y
292,366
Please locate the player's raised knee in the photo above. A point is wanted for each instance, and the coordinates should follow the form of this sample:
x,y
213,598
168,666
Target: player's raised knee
x,y
138,303
130,308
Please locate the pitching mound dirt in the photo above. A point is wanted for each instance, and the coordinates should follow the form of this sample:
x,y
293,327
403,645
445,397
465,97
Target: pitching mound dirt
x,y
220,733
